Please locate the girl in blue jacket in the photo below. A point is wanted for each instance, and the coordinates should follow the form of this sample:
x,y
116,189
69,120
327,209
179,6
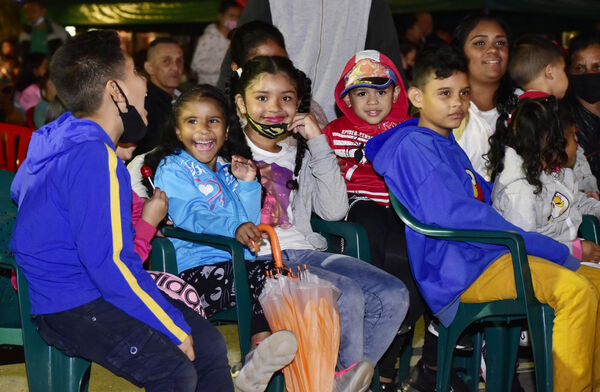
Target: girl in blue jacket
x,y
208,195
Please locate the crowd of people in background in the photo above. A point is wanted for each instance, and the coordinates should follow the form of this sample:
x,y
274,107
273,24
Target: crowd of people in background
x,y
287,111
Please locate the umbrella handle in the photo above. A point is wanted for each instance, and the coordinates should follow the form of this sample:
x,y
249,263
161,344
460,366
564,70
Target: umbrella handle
x,y
275,247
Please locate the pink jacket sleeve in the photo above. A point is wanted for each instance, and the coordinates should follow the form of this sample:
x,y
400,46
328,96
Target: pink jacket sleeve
x,y
144,231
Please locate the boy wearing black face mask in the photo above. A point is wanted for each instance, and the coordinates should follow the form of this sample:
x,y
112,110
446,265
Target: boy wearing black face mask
x,y
584,75
74,238
537,66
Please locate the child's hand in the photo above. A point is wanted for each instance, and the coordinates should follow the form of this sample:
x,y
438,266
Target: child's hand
x,y
306,125
590,251
242,168
593,195
155,208
247,233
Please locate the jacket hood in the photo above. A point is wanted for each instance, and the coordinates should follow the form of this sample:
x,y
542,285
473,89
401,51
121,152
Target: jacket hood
x,y
60,136
513,169
381,149
399,111
51,141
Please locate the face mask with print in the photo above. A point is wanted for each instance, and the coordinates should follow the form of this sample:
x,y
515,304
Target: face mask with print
x,y
270,131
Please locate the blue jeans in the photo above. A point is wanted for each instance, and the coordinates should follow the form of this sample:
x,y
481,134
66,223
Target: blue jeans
x,y
372,305
102,333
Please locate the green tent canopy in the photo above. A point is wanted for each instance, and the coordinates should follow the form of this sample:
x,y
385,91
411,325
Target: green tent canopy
x,y
114,12
102,13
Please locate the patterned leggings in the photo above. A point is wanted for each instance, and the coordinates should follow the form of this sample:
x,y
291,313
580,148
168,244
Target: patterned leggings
x,y
214,283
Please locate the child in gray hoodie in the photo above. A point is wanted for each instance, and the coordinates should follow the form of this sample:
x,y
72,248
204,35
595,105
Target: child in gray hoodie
x,y
531,159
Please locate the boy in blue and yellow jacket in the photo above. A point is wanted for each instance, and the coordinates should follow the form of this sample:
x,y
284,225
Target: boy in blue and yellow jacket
x,y
73,236
432,177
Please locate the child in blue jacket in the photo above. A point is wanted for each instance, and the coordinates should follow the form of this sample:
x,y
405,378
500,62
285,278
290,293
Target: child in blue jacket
x,y
208,195
430,174
73,238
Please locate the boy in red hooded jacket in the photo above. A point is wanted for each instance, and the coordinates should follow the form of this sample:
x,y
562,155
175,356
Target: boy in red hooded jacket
x,y
373,99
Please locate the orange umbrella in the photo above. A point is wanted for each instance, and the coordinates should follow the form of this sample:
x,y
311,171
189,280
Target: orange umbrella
x,y
306,305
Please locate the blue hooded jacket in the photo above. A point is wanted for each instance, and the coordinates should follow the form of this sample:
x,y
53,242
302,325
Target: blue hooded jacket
x,y
73,237
434,179
203,201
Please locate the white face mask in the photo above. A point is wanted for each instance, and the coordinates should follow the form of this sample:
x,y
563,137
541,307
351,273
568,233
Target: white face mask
x,y
230,24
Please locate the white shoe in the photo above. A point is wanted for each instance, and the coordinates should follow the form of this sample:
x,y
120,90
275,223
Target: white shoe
x,y
354,379
269,356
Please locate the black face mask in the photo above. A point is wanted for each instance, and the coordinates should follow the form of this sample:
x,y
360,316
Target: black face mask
x,y
134,128
587,86
270,131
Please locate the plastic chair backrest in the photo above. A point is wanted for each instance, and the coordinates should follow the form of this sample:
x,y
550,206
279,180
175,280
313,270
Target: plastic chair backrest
x,y
10,320
14,141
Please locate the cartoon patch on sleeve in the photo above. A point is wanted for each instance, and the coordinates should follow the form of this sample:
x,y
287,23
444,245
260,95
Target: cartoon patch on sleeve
x,y
477,191
560,204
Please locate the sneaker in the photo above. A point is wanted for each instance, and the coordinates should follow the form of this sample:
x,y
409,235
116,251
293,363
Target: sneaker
x,y
465,343
273,353
355,378
422,379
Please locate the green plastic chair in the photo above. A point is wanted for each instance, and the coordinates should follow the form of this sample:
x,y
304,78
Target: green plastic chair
x,y
10,319
48,370
163,259
590,228
501,320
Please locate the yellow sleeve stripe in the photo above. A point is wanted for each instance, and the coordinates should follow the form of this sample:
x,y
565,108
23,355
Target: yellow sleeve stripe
x,y
117,238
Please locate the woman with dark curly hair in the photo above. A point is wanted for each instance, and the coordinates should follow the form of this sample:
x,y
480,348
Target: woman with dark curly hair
x,y
484,39
531,157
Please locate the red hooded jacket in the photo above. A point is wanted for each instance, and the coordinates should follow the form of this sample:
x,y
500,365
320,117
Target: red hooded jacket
x,y
349,133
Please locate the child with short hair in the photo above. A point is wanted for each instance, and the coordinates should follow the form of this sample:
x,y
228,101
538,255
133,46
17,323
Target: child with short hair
x,y
537,65
433,178
73,238
372,98
531,162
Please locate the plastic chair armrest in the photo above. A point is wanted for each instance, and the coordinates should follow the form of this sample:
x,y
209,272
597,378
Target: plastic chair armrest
x,y
240,277
590,228
354,235
510,239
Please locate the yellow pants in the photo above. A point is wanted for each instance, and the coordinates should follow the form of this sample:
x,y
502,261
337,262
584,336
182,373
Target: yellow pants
x,y
574,298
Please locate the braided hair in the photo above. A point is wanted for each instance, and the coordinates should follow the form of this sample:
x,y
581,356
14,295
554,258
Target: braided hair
x,y
273,65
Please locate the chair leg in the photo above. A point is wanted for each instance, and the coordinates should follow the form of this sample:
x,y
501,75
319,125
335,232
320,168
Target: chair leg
x,y
405,356
502,344
446,342
473,367
277,384
68,373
